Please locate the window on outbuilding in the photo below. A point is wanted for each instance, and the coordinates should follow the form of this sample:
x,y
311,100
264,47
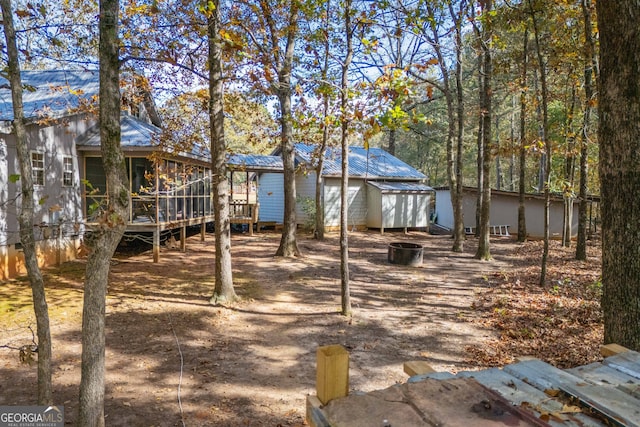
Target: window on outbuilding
x,y
37,167
67,172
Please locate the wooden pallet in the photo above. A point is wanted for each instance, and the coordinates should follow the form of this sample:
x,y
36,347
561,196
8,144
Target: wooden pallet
x,y
600,394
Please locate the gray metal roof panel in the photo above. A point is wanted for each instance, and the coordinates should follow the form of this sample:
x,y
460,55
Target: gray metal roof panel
x,y
50,93
396,186
255,162
134,133
363,163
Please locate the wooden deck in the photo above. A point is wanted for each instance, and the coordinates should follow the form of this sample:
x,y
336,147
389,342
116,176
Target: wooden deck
x,y
244,213
527,393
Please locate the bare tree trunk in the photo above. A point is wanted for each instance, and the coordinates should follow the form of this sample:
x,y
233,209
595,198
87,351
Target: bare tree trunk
x,y
319,231
479,144
453,173
224,291
499,176
105,236
457,18
345,292
344,191
27,207
591,69
619,138
570,172
483,252
522,188
546,142
568,219
512,136
288,243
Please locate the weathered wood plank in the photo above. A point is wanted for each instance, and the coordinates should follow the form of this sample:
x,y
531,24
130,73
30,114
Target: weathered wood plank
x,y
615,404
627,362
456,402
530,398
417,367
431,376
604,375
599,373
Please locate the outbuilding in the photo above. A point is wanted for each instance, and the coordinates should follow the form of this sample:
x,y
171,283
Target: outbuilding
x,y
384,191
398,205
504,212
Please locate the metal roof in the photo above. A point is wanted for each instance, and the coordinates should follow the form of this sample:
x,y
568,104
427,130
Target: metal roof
x,y
56,93
255,162
515,194
363,163
49,93
396,186
134,133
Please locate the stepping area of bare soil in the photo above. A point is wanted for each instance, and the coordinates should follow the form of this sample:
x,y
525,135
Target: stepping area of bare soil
x,y
173,359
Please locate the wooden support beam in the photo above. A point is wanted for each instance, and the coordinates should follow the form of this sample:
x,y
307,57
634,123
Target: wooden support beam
x,y
417,367
203,231
612,349
183,238
156,245
332,372
254,212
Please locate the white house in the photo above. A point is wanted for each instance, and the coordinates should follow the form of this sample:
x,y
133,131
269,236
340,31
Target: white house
x,y
53,124
67,169
384,192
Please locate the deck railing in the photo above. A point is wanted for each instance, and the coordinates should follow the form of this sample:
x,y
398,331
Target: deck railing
x,y
186,202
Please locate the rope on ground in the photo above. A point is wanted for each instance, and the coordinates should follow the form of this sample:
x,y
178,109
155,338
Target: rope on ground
x,y
181,370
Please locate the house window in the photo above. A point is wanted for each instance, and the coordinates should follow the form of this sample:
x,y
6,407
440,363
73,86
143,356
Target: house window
x,y
37,167
67,171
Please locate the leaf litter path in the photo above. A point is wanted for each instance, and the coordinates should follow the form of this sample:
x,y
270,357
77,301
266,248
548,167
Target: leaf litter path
x,y
173,359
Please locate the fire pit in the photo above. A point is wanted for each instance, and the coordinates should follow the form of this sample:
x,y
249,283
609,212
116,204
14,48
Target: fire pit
x,y
405,253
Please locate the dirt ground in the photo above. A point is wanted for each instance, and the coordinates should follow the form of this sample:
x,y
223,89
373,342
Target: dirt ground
x,y
173,359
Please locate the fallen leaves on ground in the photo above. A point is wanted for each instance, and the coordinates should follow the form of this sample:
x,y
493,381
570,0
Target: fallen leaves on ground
x,y
559,322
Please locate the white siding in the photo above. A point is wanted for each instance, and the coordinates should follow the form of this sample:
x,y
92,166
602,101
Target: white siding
x,y
504,211
271,197
357,213
397,210
444,210
405,210
58,208
401,210
305,187
374,203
